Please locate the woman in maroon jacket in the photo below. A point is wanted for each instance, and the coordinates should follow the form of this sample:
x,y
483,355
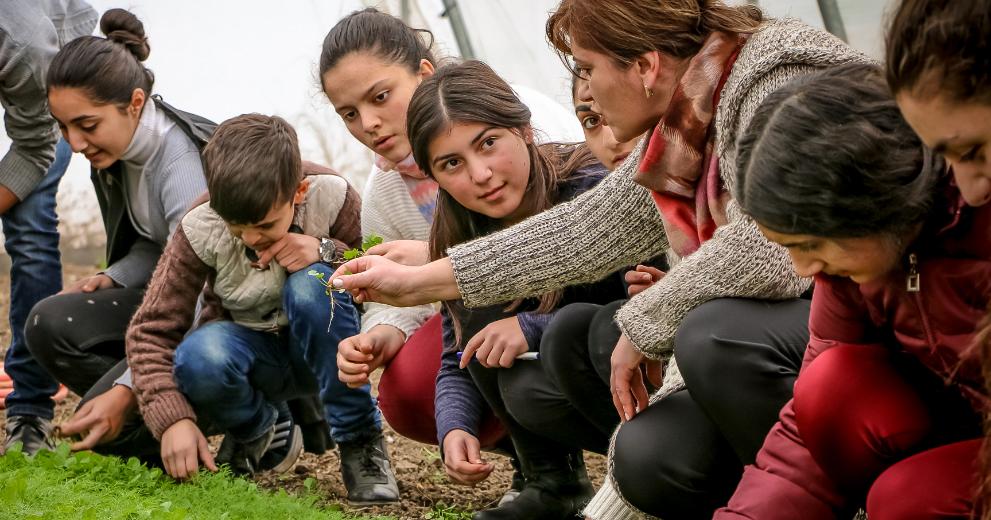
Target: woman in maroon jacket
x,y
886,406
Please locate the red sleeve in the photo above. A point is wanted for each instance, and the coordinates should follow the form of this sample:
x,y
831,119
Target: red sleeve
x,y
785,482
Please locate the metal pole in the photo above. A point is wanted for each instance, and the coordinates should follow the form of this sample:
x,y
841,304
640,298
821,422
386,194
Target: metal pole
x,y
832,19
453,15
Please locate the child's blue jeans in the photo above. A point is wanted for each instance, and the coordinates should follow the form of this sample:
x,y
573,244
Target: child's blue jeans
x,y
232,374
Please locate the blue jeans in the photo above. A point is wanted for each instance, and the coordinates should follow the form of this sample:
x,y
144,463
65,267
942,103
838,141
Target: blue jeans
x,y
233,375
30,230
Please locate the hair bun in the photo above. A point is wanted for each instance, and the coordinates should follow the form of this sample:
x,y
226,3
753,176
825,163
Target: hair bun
x,y
121,26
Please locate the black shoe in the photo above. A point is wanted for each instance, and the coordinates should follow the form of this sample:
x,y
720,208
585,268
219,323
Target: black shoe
x,y
554,490
516,486
33,432
367,471
277,449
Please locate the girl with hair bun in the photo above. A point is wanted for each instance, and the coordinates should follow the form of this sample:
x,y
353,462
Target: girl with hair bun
x,y
145,166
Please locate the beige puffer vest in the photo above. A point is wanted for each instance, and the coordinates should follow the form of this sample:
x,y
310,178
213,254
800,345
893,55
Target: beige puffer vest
x,y
254,298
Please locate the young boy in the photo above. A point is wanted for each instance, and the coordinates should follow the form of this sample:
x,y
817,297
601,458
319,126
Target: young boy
x,y
265,227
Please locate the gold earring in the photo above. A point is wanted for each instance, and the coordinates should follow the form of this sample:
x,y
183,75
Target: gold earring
x,y
647,91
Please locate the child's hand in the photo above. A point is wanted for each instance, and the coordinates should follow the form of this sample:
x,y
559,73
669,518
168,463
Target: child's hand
x,y
641,278
406,252
463,458
293,251
497,345
101,418
183,447
89,284
359,356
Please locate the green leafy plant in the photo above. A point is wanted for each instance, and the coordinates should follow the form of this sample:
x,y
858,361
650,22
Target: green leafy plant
x,y
64,485
366,244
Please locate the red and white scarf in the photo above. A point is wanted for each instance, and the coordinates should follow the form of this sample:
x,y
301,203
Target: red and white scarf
x,y
421,188
679,165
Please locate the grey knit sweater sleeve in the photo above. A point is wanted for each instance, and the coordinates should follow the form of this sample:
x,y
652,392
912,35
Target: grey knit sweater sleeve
x,y
602,230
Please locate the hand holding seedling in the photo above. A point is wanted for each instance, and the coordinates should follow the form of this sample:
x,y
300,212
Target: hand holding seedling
x,y
293,252
639,279
183,447
406,252
497,345
89,284
629,392
100,419
463,458
377,279
359,356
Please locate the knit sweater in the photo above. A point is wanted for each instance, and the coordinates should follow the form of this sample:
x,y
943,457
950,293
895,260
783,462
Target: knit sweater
x,y
388,211
204,251
618,224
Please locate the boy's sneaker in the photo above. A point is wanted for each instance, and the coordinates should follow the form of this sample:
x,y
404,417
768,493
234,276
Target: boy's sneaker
x,y
367,471
276,450
33,432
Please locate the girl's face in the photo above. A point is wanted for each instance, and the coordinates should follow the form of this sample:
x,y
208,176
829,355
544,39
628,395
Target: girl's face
x,y
598,134
371,95
617,92
861,259
101,132
961,132
485,168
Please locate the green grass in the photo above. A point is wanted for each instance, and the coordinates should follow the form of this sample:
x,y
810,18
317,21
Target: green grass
x,y
442,512
60,484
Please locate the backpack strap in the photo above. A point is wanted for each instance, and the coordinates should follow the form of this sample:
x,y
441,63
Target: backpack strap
x,y
199,129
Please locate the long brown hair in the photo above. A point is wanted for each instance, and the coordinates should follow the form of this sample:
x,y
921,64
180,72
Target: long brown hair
x,y
471,92
941,47
625,29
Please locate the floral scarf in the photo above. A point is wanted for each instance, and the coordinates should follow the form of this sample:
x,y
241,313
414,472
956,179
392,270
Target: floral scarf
x,y
421,188
679,165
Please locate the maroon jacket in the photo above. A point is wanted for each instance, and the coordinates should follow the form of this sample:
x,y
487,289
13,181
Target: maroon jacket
x,y
936,324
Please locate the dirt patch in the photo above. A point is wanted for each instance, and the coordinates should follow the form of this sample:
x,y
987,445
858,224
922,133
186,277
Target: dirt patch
x,y
420,473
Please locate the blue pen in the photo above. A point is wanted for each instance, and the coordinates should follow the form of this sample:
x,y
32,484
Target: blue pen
x,y
526,356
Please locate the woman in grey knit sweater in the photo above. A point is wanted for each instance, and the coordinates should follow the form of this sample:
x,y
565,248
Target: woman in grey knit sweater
x,y
693,78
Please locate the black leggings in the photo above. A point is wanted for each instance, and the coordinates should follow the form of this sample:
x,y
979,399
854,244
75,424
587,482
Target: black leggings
x,y
683,456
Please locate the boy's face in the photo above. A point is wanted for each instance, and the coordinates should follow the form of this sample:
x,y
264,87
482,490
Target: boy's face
x,y
274,226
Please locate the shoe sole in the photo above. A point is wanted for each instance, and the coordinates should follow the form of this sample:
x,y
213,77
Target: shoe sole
x,y
372,503
295,449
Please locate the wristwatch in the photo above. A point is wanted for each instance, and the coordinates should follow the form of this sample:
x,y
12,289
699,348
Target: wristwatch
x,y
327,251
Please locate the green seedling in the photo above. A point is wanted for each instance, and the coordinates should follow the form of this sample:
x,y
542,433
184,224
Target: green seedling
x,y
366,244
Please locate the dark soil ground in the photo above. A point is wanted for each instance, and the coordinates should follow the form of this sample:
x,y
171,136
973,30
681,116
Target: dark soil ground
x,y
422,481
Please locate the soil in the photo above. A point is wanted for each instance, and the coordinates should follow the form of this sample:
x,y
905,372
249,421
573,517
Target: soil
x,y
422,482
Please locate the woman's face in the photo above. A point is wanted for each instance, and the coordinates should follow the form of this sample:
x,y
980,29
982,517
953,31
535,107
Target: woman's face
x,y
862,260
617,92
598,134
371,95
485,168
961,132
101,132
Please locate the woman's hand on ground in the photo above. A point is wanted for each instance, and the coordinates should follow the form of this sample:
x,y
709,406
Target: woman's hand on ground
x,y
89,284
294,251
359,356
374,278
639,279
406,252
497,345
101,418
463,458
629,394
183,447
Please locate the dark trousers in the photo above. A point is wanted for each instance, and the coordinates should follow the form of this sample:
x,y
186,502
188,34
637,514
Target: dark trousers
x,y
683,456
575,352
